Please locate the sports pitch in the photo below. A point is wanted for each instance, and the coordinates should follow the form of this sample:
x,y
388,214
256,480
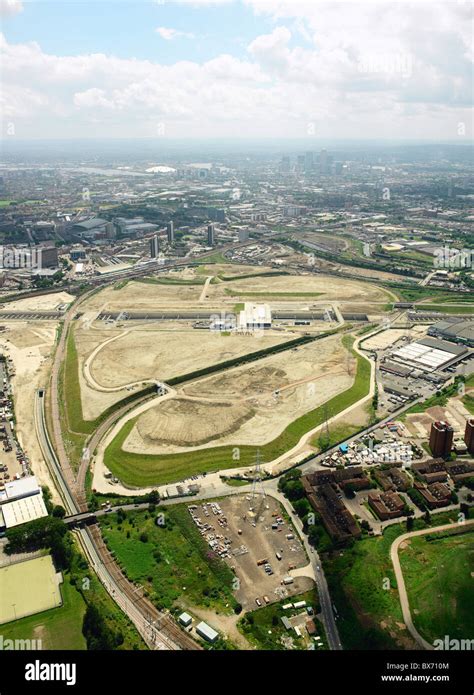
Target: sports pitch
x,y
27,588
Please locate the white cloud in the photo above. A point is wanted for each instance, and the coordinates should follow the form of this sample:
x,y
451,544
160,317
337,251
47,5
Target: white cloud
x,y
170,34
10,7
351,70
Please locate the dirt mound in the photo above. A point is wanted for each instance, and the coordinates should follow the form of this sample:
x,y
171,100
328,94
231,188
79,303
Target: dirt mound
x,y
191,422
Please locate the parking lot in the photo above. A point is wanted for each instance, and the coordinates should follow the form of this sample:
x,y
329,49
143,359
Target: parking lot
x,y
14,463
255,539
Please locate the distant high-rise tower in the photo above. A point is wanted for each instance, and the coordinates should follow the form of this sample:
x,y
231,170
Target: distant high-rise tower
x,y
211,239
323,162
469,436
441,439
285,165
154,247
170,231
309,162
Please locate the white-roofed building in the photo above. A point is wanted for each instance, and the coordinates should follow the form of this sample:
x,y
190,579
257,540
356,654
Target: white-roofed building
x,y
21,501
207,632
255,316
23,487
22,510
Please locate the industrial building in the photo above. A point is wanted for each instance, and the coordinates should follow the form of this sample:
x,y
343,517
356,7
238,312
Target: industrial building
x,y
255,317
456,330
207,632
428,354
185,619
21,501
93,228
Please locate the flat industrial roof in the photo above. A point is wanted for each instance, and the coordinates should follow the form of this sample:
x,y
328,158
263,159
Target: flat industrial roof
x,y
427,356
22,510
442,345
22,487
206,631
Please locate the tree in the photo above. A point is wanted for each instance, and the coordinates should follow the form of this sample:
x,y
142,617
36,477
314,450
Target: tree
x,y
97,633
410,523
58,511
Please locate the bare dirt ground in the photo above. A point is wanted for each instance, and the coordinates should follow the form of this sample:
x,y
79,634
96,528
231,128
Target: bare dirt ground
x,y
46,302
166,351
331,288
247,405
257,541
30,345
87,338
387,339
141,296
454,412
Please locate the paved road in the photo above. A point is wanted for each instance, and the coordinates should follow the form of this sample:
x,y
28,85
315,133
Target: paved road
x,y
327,612
401,581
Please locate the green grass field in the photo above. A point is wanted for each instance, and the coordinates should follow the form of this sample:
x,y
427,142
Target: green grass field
x,y
171,561
447,309
254,295
370,615
145,469
263,627
438,576
468,402
171,281
58,628
27,588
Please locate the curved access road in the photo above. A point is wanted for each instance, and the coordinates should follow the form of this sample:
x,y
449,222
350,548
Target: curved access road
x,y
401,582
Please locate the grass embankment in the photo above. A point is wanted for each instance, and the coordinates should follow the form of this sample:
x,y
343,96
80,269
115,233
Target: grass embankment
x,y
438,577
172,281
258,295
446,308
369,611
246,276
145,469
468,402
171,561
75,428
263,627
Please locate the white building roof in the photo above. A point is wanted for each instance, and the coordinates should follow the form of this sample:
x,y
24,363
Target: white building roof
x,y
22,510
207,632
22,487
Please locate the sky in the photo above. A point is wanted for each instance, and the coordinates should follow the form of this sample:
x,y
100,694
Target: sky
x,y
373,69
